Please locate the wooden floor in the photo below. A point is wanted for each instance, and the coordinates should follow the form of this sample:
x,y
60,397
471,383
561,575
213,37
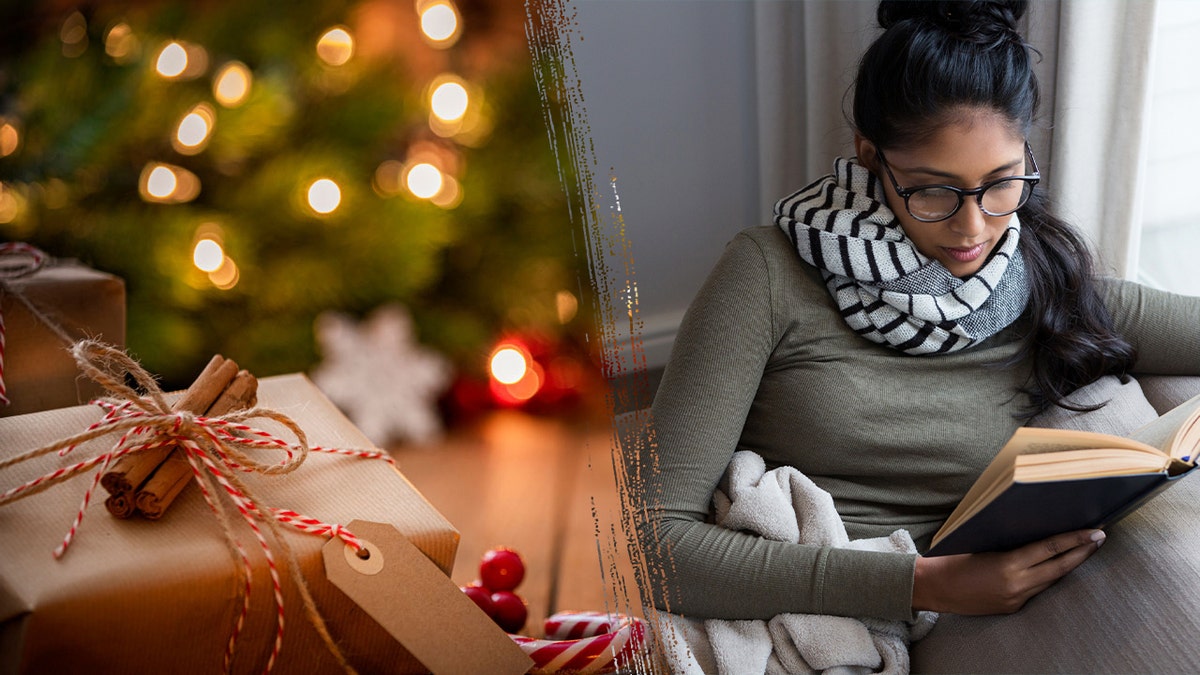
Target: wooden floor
x,y
543,487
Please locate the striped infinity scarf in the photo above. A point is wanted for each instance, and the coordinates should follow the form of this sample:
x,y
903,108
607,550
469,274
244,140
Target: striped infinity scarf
x,y
887,291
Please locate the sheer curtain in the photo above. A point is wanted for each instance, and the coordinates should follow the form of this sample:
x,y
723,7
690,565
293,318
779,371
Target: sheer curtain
x,y
805,57
1101,105
1090,140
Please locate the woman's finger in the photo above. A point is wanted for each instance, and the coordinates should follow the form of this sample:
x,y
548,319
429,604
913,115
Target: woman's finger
x,y
1053,568
1047,549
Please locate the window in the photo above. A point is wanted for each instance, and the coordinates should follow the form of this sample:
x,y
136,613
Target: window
x,y
1170,247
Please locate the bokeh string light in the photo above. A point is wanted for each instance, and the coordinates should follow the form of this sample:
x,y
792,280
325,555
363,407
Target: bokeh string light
x,y
424,180
167,184
10,204
194,130
514,376
171,61
10,137
449,99
121,44
336,46
323,196
226,276
440,23
181,60
231,85
74,35
207,255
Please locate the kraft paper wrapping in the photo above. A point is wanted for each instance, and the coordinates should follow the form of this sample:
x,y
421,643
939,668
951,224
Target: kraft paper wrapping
x,y
141,596
38,369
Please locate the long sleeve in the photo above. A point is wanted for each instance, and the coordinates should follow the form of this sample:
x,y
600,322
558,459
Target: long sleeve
x,y
1163,327
724,345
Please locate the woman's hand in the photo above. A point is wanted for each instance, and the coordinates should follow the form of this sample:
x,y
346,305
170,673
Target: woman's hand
x,y
999,583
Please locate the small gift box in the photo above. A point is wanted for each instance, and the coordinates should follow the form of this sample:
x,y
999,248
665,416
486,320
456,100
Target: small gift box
x,y
38,295
164,596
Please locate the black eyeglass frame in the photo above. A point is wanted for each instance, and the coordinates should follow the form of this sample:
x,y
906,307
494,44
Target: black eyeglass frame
x,y
1033,179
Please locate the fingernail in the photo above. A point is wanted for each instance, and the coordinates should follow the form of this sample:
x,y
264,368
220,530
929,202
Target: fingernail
x,y
1098,536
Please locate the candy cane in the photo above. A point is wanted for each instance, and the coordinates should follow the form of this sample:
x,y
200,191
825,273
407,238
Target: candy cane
x,y
584,643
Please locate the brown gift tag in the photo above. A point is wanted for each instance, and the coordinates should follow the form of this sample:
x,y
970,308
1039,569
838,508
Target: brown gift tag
x,y
419,605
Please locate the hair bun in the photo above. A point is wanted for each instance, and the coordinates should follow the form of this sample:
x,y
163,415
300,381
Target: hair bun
x,y
979,21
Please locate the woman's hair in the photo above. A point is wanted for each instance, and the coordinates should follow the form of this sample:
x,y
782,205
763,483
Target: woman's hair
x,y
935,62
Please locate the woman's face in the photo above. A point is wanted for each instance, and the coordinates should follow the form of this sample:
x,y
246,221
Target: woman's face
x,y
979,146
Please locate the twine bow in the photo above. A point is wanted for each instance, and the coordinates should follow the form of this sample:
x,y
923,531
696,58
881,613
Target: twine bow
x,y
217,448
17,260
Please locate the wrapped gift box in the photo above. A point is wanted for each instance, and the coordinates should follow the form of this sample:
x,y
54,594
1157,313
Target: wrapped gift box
x,y
38,369
139,596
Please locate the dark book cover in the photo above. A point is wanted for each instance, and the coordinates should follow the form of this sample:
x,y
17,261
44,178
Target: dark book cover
x,y
1029,512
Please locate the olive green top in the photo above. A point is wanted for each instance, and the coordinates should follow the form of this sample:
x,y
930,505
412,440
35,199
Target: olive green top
x,y
764,362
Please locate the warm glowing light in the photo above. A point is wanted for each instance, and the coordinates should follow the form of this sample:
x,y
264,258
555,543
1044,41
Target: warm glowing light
x,y
181,60
567,305
515,376
208,256
508,364
74,35
449,100
120,43
10,138
74,29
389,178
231,86
226,276
324,196
166,183
450,195
172,60
439,22
194,130
162,182
527,387
336,46
424,180
9,205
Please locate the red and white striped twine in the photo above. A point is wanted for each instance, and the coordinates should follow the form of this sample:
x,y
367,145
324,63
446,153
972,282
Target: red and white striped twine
x,y
17,259
216,448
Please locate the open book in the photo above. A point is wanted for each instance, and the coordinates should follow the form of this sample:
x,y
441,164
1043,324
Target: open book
x,y
1048,481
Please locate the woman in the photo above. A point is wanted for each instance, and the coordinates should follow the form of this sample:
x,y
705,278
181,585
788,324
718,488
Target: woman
x,y
902,319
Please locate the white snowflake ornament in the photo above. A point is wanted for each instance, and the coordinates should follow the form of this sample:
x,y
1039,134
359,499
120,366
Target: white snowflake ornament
x,y
377,373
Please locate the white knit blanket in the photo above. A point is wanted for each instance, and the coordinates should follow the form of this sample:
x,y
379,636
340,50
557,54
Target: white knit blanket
x,y
784,505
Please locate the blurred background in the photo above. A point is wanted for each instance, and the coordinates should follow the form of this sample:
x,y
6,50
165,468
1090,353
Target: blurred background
x,y
277,182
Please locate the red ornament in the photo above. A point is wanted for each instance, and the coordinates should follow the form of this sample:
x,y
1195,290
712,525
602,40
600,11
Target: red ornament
x,y
501,569
510,611
482,597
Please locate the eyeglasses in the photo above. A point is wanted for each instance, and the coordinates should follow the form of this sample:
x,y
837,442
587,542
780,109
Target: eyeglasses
x,y
931,203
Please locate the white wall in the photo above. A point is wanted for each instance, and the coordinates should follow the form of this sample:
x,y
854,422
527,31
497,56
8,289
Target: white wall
x,y
668,88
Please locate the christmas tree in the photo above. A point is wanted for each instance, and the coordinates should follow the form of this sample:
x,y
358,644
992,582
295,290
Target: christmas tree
x,y
245,166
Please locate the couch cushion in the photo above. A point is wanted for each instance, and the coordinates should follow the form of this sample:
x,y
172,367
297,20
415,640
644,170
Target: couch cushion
x,y
1134,606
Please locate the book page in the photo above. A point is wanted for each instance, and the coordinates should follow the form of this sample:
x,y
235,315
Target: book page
x,y
1177,432
1092,463
1035,440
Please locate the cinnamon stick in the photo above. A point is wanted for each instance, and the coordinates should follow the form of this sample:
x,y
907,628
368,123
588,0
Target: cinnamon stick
x,y
121,505
129,472
175,472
